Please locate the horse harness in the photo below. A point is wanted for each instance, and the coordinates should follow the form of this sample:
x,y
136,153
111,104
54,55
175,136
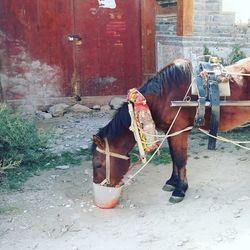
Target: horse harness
x,y
109,154
208,91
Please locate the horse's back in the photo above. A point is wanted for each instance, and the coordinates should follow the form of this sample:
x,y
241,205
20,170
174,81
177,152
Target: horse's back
x,y
234,116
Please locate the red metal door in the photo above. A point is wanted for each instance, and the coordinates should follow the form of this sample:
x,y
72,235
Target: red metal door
x,y
37,43
35,54
109,59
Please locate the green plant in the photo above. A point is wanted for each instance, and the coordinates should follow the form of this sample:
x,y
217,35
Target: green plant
x,y
24,153
14,178
20,140
206,53
162,158
236,54
241,133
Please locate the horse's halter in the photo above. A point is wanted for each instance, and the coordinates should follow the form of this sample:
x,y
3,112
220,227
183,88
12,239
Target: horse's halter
x,y
108,155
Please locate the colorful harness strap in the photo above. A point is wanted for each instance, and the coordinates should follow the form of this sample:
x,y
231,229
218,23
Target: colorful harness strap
x,y
143,120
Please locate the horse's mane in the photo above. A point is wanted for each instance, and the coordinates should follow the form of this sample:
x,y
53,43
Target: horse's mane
x,y
173,75
118,124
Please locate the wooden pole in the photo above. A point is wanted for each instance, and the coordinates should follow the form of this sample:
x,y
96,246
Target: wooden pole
x,y
184,17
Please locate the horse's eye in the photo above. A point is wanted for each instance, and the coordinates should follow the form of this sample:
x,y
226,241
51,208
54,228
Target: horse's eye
x,y
98,166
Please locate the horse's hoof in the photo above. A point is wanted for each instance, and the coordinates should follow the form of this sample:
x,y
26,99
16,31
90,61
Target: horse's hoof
x,y
175,199
168,188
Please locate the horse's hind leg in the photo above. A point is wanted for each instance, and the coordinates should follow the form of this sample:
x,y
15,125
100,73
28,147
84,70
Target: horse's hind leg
x,y
178,180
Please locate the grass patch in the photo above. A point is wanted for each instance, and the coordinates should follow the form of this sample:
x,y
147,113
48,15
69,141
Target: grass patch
x,y
8,209
239,134
24,150
14,178
163,158
20,140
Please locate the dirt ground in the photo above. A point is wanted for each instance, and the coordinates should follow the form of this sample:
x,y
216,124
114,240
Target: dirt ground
x,y
56,211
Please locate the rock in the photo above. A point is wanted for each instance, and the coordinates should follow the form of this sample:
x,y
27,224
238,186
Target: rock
x,y
62,167
96,107
53,176
10,220
84,146
43,115
105,108
219,239
237,213
35,246
60,131
78,108
116,102
244,198
58,109
182,242
26,109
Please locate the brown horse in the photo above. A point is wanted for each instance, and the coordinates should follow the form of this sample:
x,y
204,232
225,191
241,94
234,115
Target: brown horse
x,y
171,83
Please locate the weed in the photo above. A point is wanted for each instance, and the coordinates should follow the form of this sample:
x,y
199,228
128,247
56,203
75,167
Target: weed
x,y
236,54
162,158
206,53
8,209
239,134
14,178
23,150
20,140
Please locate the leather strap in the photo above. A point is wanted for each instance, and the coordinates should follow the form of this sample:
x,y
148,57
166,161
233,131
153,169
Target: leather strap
x,y
107,161
200,111
211,92
108,154
214,96
124,157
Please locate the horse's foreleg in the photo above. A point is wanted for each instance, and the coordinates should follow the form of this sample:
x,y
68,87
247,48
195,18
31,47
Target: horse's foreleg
x,y
171,184
178,181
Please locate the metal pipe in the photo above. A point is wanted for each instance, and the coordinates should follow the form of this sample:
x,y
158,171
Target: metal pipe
x,y
228,103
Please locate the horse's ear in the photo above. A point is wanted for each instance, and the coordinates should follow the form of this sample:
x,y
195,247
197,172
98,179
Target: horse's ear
x,y
99,142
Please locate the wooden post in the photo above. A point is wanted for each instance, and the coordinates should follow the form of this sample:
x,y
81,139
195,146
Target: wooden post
x,y
184,17
148,38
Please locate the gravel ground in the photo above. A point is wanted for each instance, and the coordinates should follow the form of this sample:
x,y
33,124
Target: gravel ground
x,y
56,211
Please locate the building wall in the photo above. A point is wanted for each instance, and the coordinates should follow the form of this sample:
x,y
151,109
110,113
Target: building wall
x,y
211,27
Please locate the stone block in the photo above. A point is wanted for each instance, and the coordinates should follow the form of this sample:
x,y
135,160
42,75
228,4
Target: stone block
x,y
58,109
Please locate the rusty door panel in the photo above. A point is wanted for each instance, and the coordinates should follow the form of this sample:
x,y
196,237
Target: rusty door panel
x,y
34,36
110,55
38,60
56,23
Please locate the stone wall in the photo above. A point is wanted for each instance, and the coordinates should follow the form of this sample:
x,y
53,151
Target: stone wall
x,y
211,27
210,20
172,47
166,24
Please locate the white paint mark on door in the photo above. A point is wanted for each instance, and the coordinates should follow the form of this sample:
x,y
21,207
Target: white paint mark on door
x,y
111,4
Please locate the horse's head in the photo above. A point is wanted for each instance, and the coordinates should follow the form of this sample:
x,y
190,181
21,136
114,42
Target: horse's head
x,y
110,162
